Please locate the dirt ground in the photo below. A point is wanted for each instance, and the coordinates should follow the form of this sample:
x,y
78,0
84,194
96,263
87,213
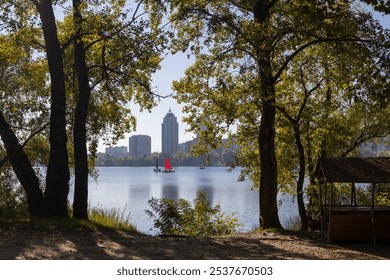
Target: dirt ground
x,y
28,241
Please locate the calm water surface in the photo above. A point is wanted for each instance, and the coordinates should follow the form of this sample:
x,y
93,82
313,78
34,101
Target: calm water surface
x,y
130,188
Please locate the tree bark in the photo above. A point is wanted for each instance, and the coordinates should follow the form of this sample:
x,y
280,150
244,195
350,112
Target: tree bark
x,y
312,190
301,179
22,167
80,202
57,178
266,137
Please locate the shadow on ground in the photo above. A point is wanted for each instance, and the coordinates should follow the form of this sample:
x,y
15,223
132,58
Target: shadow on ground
x,y
29,241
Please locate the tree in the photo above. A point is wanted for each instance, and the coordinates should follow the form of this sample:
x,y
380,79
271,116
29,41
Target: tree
x,y
22,15
22,168
80,202
115,52
242,52
58,176
327,95
16,63
382,6
114,55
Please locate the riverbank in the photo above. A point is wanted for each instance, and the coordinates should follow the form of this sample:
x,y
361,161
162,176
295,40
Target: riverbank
x,y
26,240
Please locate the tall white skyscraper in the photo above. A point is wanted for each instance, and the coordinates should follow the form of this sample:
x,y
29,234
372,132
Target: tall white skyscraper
x,y
170,134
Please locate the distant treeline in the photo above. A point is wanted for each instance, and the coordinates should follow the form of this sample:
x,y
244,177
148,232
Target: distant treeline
x,y
179,159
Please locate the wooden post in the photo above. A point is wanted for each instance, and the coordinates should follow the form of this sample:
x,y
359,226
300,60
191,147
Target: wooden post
x,y
353,195
330,211
373,214
325,209
322,209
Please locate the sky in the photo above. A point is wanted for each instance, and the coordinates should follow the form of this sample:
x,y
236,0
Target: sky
x,y
173,68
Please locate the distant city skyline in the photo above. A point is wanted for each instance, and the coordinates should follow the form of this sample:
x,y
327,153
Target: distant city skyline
x,y
149,123
141,144
117,151
173,68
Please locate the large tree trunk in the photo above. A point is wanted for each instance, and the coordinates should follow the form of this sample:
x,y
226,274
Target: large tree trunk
x,y
23,168
57,178
301,178
268,167
80,202
268,177
312,191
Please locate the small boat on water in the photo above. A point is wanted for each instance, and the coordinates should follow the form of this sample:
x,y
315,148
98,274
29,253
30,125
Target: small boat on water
x,y
168,167
157,169
202,165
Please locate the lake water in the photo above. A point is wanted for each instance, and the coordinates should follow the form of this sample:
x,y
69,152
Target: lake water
x,y
130,188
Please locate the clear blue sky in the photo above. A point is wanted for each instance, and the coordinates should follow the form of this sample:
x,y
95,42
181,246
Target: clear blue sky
x,y
173,68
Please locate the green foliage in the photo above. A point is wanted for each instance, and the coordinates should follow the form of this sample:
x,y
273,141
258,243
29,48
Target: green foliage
x,y
382,199
329,65
313,208
114,219
332,46
382,6
122,53
363,192
24,90
13,204
177,217
102,222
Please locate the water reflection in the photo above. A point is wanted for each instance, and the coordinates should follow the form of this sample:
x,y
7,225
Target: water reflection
x,y
204,184
132,187
170,191
139,193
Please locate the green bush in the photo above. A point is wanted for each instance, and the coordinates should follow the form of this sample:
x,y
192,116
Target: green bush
x,y
13,203
114,219
177,217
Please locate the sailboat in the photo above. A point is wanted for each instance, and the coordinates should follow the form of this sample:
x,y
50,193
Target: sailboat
x,y
202,165
168,167
157,169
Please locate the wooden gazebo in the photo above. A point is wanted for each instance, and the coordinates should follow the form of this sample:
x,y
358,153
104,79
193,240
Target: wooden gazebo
x,y
353,222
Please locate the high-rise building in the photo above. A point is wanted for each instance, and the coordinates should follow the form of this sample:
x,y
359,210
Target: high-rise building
x,y
170,134
186,146
140,145
116,151
380,147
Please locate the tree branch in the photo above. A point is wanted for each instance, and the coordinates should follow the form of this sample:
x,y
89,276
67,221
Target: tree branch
x,y
311,43
360,140
5,159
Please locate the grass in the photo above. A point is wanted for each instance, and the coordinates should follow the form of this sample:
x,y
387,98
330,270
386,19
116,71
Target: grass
x,y
258,229
114,219
99,218
290,224
293,223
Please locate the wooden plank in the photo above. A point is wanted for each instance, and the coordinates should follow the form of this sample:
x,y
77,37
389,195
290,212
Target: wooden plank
x,y
350,227
357,226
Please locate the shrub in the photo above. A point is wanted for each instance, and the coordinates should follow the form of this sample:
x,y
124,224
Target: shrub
x,y
177,217
13,203
113,218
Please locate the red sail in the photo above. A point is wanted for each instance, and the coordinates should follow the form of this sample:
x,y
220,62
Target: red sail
x,y
167,164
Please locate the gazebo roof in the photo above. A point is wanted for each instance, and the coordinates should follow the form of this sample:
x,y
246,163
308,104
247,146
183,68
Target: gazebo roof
x,y
354,169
